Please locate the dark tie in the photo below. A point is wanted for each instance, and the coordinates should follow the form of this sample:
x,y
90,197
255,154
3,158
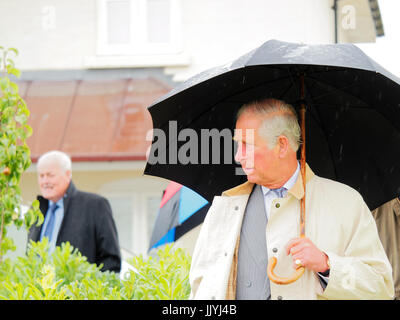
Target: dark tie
x,y
50,225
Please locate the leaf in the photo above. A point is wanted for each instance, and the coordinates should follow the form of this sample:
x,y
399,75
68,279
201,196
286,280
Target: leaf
x,y
35,205
4,83
13,50
40,219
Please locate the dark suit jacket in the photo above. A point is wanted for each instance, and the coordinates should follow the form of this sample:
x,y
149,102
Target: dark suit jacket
x,y
88,225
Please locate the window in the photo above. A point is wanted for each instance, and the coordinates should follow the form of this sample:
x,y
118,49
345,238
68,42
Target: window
x,y
139,27
152,208
135,202
134,216
122,208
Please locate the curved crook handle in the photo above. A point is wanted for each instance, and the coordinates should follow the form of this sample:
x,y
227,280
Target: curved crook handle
x,y
282,280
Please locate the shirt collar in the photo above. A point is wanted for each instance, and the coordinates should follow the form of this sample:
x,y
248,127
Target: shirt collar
x,y
288,184
60,203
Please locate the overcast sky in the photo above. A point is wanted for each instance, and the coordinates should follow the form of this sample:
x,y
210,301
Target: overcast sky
x,y
386,50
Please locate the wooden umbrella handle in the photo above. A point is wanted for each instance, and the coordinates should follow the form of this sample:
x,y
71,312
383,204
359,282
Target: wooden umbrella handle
x,y
272,261
282,280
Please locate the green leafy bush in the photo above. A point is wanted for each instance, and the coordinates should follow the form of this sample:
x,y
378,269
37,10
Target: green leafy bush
x,y
165,277
67,275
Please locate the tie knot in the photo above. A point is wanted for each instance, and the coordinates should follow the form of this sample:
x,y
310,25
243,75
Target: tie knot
x,y
53,207
280,192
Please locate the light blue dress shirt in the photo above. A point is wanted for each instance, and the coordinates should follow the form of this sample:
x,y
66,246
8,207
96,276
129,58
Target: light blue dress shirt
x,y
59,215
271,194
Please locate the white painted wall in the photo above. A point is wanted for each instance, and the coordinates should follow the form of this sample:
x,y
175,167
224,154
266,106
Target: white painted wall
x,y
60,34
217,31
49,34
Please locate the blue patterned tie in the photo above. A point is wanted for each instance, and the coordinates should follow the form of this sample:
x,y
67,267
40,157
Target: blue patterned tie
x,y
50,225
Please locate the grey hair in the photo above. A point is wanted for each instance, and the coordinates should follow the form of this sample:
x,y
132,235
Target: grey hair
x,y
282,120
60,157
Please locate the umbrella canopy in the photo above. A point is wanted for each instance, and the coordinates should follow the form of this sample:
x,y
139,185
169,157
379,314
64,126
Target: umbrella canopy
x,y
181,210
352,118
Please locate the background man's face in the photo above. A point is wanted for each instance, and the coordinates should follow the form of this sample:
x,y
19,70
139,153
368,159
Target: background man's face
x,y
53,181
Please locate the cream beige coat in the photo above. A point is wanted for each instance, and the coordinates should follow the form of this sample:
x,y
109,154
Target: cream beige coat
x,y
338,222
387,218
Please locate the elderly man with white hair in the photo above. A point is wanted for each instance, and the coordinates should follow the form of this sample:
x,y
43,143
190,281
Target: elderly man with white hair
x,y
84,219
341,251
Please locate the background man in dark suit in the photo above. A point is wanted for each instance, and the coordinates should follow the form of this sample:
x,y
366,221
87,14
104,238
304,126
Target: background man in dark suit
x,y
84,219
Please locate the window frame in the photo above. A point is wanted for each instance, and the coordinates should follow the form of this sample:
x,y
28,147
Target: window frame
x,y
138,44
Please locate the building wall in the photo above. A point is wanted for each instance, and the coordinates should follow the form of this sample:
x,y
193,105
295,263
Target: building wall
x,y
57,34
49,34
216,32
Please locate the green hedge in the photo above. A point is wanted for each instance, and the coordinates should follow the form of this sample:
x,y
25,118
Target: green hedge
x,y
66,275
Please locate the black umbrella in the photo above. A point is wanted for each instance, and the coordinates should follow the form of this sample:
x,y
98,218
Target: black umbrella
x,y
352,118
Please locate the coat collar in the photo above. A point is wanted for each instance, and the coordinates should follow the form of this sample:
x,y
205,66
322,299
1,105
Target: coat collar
x,y
70,190
297,190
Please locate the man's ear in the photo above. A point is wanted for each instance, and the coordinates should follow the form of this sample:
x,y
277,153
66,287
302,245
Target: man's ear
x,y
284,145
68,173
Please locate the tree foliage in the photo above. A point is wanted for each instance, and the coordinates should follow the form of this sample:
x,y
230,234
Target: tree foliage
x,y
14,153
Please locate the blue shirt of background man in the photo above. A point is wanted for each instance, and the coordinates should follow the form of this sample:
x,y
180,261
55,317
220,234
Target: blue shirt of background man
x,y
59,215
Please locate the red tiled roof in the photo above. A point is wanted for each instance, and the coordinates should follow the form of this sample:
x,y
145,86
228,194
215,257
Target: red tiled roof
x,y
91,120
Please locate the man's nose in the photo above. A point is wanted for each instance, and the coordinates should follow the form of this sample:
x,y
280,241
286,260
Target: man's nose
x,y
239,153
